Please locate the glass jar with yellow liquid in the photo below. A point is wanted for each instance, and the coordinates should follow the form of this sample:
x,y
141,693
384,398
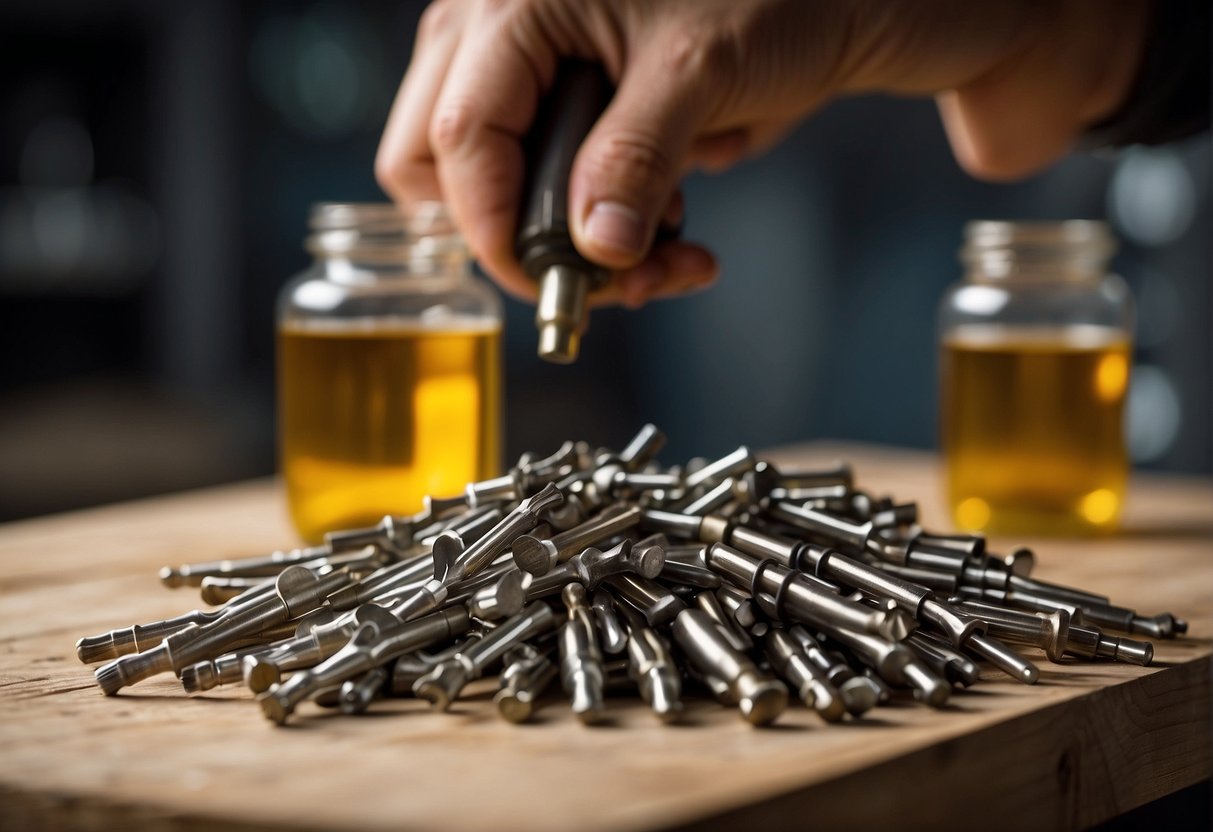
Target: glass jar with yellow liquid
x,y
1035,359
389,368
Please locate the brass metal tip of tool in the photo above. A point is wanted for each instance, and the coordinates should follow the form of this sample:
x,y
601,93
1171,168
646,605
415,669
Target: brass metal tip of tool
x,y
170,577
558,344
560,315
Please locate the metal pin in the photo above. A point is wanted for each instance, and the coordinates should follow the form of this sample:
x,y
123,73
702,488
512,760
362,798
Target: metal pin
x,y
802,600
730,465
856,692
373,644
652,667
738,605
500,599
537,556
658,605
592,566
297,591
1003,657
581,666
760,698
358,693
898,665
614,639
713,499
684,573
945,660
810,684
737,637
522,683
442,685
1050,632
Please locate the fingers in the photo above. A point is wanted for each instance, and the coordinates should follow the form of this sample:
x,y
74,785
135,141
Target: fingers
x,y
484,109
456,131
404,165
630,163
671,269
1025,111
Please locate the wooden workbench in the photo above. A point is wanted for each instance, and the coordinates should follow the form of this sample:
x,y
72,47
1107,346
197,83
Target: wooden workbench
x,y
1088,742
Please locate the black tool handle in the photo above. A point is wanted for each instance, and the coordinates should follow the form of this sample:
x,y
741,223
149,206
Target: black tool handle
x,y
566,114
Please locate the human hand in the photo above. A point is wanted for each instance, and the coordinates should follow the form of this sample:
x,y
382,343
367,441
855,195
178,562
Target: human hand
x,y
703,83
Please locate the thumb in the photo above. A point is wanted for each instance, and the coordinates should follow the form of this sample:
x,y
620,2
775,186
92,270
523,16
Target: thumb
x,y
628,167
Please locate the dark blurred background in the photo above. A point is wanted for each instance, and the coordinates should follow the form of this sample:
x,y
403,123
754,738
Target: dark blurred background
x,y
157,161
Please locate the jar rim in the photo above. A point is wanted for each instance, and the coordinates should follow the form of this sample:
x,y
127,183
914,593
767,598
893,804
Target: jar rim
x,y
383,231
1002,249
996,233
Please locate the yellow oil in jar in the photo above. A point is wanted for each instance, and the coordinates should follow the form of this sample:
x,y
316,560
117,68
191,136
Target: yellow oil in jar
x,y
1032,428
372,419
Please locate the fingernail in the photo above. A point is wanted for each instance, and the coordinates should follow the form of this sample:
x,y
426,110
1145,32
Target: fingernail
x,y
637,285
616,226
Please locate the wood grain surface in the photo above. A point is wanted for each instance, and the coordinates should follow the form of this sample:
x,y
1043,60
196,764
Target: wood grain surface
x,y
1090,741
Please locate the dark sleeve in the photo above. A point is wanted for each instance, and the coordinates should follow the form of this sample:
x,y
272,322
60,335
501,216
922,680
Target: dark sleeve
x,y
1170,96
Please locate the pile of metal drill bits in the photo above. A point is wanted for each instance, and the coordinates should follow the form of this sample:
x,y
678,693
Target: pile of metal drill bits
x,y
609,570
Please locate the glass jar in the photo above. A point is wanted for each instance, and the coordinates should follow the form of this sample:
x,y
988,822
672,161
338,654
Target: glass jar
x,y
389,368
1035,359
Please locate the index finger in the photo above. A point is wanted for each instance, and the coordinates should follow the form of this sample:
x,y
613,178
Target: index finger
x,y
485,107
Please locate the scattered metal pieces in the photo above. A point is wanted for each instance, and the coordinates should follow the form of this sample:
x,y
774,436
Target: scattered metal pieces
x,y
749,575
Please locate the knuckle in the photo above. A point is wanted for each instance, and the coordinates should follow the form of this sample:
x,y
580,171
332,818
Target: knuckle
x,y
491,7
452,126
387,172
436,18
633,159
702,52
398,177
